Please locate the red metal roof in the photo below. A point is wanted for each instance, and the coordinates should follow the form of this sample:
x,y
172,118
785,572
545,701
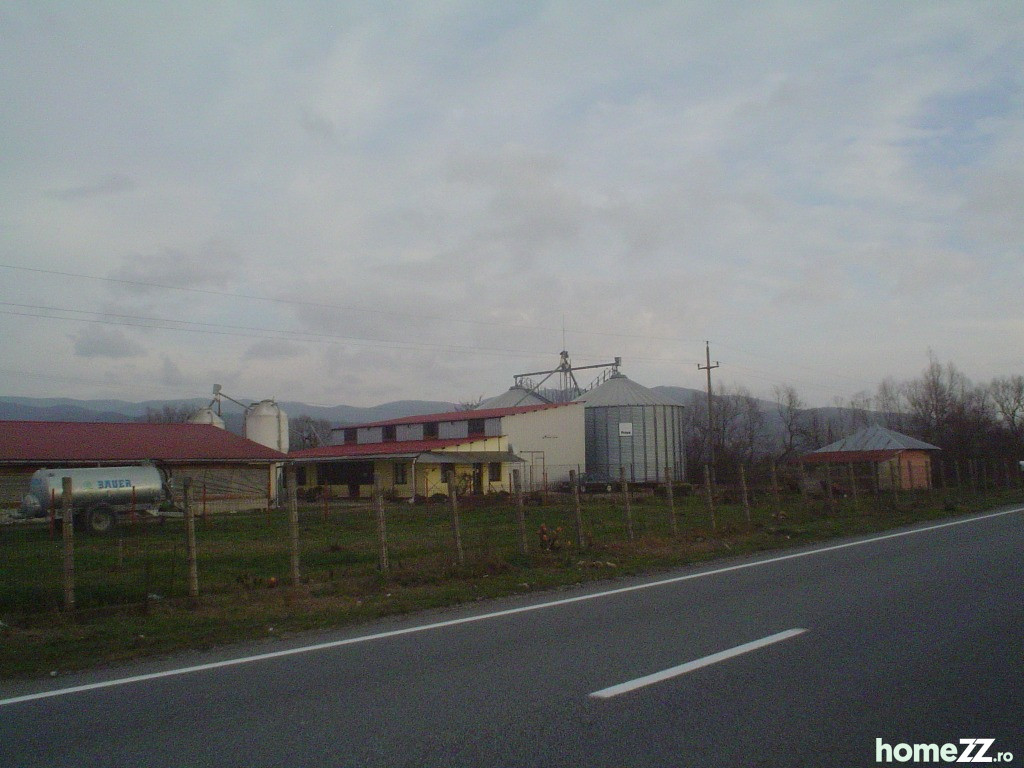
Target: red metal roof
x,y
846,457
65,442
485,413
399,447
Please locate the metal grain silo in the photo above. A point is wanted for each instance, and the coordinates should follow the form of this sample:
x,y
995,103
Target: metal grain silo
x,y
267,424
630,426
207,416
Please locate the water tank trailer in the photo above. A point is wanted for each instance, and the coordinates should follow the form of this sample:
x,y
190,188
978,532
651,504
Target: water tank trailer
x,y
99,495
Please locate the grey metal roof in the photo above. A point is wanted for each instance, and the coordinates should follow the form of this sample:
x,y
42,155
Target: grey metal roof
x,y
876,438
620,390
512,398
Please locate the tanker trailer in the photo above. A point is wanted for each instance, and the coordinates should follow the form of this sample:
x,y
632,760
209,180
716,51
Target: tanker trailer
x,y
98,494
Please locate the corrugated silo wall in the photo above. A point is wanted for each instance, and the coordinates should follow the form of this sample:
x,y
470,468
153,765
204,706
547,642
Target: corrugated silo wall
x,y
645,439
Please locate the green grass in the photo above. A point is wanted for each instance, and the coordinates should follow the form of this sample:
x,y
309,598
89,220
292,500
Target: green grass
x,y
131,587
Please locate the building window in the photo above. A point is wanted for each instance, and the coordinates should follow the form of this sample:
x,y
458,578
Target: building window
x,y
300,476
430,430
351,436
347,473
494,472
401,474
476,426
388,433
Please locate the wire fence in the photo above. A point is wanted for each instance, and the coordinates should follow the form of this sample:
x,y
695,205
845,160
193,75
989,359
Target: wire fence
x,y
342,549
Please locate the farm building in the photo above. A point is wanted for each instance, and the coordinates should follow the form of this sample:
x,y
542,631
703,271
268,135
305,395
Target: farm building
x,y
228,471
421,455
892,459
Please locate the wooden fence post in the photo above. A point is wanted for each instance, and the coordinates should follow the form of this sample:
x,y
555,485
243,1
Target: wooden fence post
x,y
626,501
190,545
743,491
293,522
68,532
829,494
710,496
775,489
580,536
670,492
517,489
453,494
382,527
853,487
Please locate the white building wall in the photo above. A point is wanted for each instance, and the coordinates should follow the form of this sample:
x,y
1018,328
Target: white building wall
x,y
550,440
409,432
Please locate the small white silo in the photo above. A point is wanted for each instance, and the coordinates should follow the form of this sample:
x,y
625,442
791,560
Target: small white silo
x,y
267,424
207,416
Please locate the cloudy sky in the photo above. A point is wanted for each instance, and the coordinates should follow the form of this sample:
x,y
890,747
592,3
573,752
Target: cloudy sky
x,y
359,202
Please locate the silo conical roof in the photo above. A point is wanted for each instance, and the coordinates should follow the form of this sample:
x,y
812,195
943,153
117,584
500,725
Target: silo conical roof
x,y
512,397
621,390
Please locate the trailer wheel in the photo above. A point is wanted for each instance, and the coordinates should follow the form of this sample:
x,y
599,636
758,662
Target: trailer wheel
x,y
101,519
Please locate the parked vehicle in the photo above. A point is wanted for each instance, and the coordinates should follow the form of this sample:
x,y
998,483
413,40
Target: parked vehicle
x,y
99,495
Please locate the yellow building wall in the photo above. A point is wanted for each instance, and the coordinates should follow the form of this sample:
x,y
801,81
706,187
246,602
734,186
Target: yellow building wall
x,y
429,478
912,470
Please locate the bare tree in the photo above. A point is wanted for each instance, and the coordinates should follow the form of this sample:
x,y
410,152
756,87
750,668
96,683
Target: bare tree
x,y
469,405
306,432
752,438
1007,395
167,414
891,404
946,409
790,408
853,413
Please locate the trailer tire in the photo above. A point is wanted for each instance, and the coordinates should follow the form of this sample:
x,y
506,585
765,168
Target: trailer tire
x,y
101,519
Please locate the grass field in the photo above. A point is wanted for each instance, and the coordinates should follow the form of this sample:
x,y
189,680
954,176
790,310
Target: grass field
x,y
131,589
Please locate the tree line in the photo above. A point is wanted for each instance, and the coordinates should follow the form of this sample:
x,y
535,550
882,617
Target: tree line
x,y
941,406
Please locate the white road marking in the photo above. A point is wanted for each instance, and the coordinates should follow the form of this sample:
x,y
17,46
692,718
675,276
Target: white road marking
x,y
487,616
690,666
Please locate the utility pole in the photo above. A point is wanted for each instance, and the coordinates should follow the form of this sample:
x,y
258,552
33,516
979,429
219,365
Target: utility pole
x,y
708,367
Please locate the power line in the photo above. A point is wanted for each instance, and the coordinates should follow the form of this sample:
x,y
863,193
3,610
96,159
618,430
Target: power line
x,y
339,307
268,334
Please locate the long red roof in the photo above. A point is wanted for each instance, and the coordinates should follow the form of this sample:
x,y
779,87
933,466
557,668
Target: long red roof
x,y
410,447
67,442
483,413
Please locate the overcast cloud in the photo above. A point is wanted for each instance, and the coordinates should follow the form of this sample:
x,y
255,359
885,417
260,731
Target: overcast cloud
x,y
361,202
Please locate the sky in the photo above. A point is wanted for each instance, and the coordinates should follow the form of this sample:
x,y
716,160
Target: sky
x,y
361,202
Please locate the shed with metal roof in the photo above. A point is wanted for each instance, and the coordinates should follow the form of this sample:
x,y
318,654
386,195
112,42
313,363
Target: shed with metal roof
x,y
895,459
236,473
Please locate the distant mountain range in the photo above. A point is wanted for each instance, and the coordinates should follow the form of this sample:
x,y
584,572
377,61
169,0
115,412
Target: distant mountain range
x,y
67,409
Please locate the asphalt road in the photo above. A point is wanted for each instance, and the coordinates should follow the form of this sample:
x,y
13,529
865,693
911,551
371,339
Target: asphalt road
x,y
803,658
